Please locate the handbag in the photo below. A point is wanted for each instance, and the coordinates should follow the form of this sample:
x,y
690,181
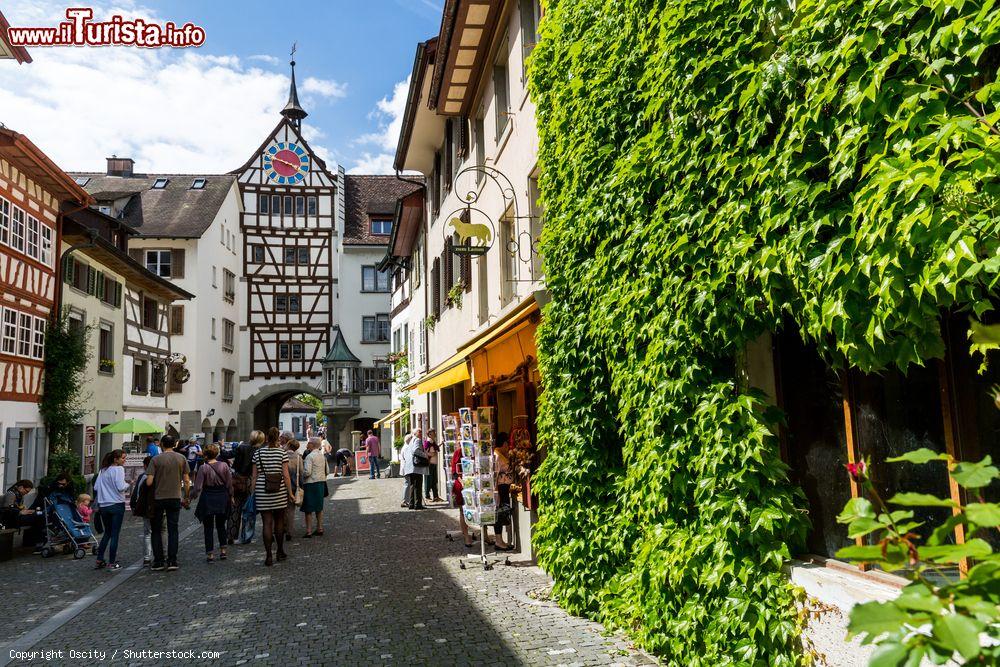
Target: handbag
x,y
272,480
420,458
249,520
300,495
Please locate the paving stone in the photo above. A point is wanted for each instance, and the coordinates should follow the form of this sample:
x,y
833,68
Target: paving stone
x,y
382,586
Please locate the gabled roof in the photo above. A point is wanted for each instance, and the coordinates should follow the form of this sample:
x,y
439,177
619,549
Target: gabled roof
x,y
295,405
176,211
368,197
8,50
30,159
301,141
339,352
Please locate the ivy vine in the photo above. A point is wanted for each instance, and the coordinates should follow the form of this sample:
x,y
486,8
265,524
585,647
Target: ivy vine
x,y
709,170
63,401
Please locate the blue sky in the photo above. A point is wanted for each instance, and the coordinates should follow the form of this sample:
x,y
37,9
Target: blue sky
x,y
206,109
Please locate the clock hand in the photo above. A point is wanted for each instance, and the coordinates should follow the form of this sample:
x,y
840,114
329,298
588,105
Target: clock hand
x,y
278,159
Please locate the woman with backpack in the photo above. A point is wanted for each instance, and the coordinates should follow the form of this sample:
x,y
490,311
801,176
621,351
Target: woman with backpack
x,y
213,488
139,503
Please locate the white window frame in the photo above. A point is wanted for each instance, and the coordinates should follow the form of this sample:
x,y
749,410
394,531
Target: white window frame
x,y
25,331
158,264
17,229
4,221
9,338
32,237
380,222
46,253
38,344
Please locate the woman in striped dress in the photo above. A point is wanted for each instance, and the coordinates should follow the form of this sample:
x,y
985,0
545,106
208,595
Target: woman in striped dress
x,y
272,491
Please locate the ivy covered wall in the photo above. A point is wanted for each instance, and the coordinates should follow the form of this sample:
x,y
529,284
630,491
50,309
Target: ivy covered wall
x,y
708,169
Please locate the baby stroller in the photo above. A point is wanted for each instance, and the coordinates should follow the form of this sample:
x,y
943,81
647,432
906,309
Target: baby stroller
x,y
65,528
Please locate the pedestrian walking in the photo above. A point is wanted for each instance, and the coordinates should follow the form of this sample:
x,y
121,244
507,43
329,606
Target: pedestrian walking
x,y
110,489
431,478
314,487
295,474
272,489
406,479
242,469
414,466
170,481
194,454
374,449
141,506
213,488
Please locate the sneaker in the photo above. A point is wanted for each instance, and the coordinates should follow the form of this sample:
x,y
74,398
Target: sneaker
x,y
172,566
100,565
146,562
114,566
158,567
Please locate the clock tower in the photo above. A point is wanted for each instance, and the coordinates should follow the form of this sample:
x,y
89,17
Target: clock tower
x,y
292,216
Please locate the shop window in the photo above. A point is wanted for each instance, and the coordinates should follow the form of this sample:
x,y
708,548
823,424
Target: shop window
x,y
815,439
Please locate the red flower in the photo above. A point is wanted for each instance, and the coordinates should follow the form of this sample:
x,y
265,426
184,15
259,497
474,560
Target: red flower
x,y
857,470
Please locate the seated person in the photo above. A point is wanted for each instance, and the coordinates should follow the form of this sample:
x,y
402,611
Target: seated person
x,y
14,514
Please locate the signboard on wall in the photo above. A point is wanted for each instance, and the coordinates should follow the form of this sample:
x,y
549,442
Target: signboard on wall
x,y
89,450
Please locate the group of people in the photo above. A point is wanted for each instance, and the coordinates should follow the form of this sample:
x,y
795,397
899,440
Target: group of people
x,y
265,475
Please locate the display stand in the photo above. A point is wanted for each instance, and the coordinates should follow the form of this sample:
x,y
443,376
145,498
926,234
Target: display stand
x,y
479,502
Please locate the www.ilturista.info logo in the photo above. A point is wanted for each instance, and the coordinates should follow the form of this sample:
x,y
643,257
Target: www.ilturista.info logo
x,y
80,30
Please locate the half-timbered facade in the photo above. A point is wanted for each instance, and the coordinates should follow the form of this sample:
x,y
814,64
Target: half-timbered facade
x,y
291,219
32,193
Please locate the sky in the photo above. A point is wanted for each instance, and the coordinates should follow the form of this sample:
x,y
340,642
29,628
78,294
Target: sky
x,y
207,109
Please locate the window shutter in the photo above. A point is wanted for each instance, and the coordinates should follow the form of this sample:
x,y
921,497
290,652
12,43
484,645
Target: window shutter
x,y
449,147
99,288
528,29
466,269
91,280
136,254
463,138
68,267
436,284
449,268
177,320
177,263
118,294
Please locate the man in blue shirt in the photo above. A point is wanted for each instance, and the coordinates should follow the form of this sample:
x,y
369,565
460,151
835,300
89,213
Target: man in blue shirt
x,y
153,448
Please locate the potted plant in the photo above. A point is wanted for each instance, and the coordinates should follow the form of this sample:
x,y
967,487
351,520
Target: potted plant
x,y
397,446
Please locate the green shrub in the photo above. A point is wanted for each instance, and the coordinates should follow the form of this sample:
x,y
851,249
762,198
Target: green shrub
x,y
709,169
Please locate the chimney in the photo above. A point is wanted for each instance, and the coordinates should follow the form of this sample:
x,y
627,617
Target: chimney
x,y
120,166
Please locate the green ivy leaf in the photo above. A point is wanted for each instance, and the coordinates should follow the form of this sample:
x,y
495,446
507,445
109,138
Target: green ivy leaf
x,y
922,455
953,553
876,618
959,633
984,515
975,475
888,654
920,500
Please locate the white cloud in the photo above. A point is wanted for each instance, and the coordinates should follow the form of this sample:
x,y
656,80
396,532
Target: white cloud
x,y
170,110
264,58
389,114
324,87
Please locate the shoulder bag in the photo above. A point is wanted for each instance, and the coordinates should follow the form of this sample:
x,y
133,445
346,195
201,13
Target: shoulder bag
x,y
272,480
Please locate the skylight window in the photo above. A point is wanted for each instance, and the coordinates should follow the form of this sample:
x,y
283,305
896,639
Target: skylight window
x,y
82,180
198,184
160,183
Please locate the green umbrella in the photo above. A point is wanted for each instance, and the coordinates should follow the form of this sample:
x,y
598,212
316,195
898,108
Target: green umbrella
x,y
132,426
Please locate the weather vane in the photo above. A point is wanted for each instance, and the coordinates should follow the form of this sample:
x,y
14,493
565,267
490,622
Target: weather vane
x,y
295,45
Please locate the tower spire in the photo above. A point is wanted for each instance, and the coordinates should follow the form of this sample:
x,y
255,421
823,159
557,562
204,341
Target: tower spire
x,y
293,111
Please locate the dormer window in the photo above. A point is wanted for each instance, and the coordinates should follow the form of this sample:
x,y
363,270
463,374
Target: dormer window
x,y
381,226
198,184
160,183
82,180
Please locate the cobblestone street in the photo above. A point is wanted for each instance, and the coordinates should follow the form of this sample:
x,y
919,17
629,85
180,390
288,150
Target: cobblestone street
x,y
383,586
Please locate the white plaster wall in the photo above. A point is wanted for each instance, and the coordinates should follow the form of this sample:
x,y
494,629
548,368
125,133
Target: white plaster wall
x,y
206,355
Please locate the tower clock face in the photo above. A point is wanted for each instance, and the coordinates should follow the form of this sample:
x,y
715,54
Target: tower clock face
x,y
286,163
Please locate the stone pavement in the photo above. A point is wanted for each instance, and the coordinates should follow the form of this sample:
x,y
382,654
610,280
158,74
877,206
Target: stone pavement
x,y
382,587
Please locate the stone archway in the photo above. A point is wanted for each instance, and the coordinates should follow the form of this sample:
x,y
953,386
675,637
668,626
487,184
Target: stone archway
x,y
231,432
260,411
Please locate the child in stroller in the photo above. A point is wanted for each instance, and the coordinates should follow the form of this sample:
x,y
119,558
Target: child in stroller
x,y
65,528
